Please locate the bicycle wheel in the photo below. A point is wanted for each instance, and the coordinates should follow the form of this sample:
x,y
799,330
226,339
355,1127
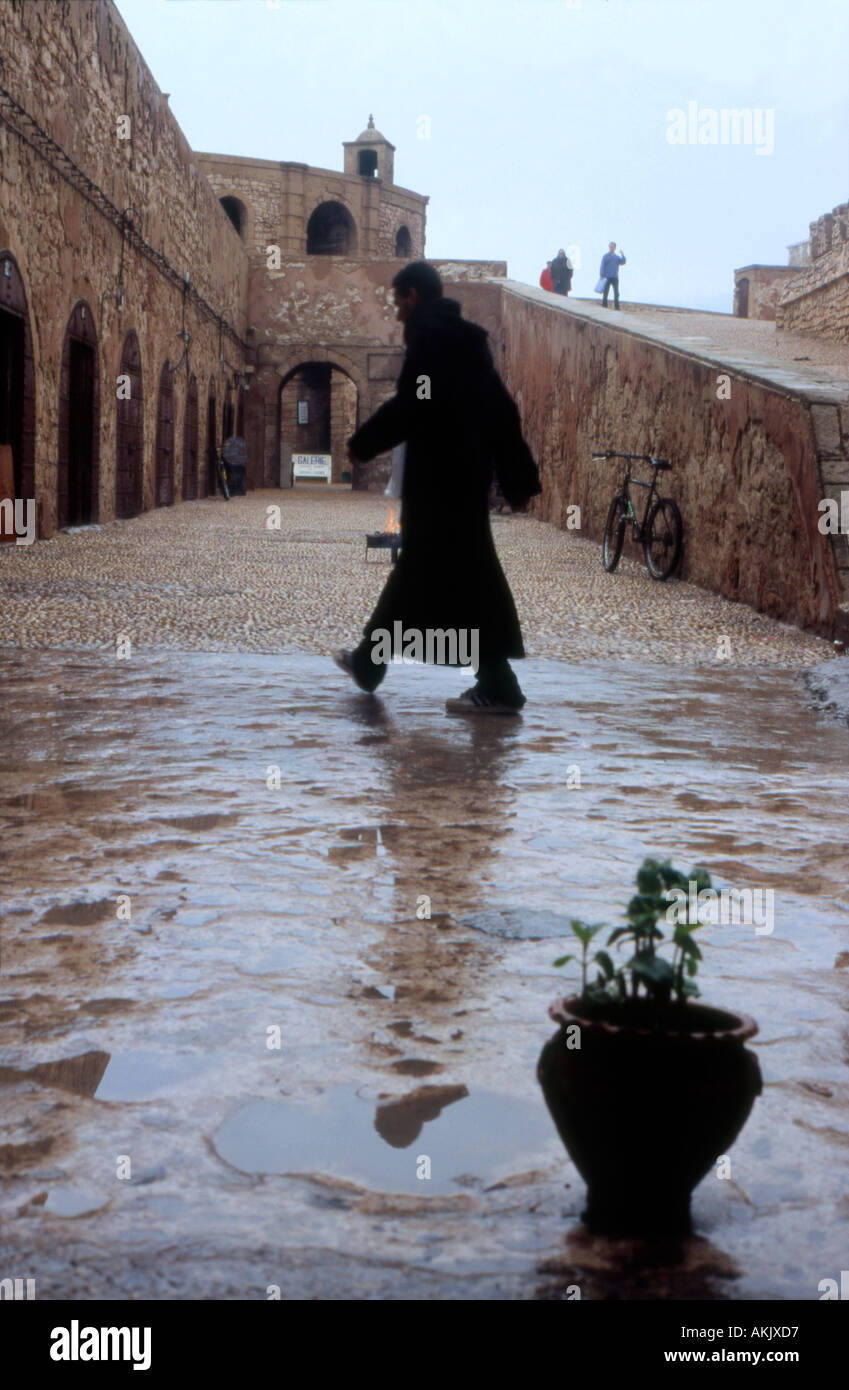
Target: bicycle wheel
x,y
222,478
614,533
663,536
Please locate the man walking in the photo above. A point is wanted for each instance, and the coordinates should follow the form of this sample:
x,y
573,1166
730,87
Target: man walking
x,y
561,273
458,422
609,273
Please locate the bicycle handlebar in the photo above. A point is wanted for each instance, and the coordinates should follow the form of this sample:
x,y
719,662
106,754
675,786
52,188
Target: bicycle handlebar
x,y
639,458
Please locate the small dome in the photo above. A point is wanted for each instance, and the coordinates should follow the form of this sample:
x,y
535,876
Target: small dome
x,y
370,136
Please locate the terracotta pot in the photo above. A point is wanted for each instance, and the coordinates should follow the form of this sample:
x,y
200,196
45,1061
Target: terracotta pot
x,y
645,1112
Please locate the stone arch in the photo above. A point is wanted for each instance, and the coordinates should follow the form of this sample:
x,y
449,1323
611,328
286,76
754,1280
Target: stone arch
x,y
211,437
332,387
164,494
403,243
237,213
129,432
190,442
78,473
17,377
331,231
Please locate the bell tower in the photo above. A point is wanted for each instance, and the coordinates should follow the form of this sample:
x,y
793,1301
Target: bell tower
x,y
370,155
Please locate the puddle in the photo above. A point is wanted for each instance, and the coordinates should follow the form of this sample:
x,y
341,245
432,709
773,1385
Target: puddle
x,y
338,1134
529,924
73,1201
144,1075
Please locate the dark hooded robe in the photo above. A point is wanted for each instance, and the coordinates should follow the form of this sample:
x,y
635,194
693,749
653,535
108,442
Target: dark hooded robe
x,y
460,424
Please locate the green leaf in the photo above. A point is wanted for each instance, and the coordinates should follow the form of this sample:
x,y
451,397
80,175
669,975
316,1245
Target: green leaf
x,y
617,933
584,931
606,964
654,969
563,960
648,877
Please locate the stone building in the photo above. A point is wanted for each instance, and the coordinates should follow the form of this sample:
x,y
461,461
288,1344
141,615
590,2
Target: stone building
x,y
816,299
757,289
811,292
153,300
322,248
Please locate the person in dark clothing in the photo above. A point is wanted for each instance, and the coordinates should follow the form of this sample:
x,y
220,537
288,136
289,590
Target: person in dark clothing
x,y
561,273
609,273
459,423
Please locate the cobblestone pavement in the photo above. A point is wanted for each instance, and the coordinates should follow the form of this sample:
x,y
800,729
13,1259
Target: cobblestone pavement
x,y
209,576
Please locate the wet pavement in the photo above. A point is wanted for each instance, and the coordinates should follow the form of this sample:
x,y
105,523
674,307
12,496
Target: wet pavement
x,y
235,1057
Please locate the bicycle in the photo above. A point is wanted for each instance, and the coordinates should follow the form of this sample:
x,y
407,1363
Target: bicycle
x,y
222,475
661,530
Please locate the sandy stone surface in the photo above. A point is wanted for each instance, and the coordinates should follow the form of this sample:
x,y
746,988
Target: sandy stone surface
x,y
726,331
210,576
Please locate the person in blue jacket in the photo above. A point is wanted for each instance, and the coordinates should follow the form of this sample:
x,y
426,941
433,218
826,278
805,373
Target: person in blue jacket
x,y
609,273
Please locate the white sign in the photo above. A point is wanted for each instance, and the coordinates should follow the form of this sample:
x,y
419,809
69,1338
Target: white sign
x,y
311,466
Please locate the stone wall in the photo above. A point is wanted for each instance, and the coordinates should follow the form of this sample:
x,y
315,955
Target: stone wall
x,y
745,470
816,299
280,197
757,289
75,70
338,310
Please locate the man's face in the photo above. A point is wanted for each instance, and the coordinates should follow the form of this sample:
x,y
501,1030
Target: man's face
x,y
613,245
405,304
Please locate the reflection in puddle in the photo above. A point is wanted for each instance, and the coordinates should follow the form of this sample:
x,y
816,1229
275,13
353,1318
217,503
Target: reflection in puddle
x,y
143,1075
399,1122
81,1074
338,1134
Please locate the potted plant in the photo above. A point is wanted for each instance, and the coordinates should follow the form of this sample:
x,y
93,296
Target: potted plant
x,y
647,1089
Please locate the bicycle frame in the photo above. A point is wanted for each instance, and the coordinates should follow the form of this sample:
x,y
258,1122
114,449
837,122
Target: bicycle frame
x,y
624,486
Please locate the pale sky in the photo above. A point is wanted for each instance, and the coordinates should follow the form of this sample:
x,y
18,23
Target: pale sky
x,y
548,119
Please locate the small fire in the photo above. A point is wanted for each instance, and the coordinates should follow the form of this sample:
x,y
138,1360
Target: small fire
x,y
391,525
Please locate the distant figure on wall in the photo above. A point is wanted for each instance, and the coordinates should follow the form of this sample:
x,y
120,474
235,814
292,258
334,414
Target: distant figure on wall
x,y
561,273
545,278
609,273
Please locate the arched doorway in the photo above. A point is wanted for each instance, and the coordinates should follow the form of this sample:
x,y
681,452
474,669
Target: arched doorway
x,y
129,451
742,307
237,212
403,243
17,378
211,439
190,443
317,414
331,231
165,438
79,423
